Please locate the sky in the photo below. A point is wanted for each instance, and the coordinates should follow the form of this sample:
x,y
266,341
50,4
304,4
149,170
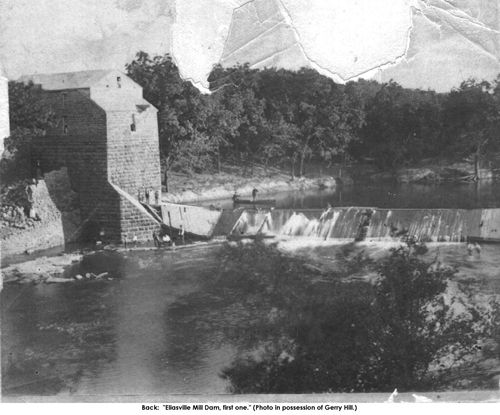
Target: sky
x,y
418,43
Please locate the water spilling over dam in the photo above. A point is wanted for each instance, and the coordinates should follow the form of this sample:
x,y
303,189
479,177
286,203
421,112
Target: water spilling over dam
x,y
373,224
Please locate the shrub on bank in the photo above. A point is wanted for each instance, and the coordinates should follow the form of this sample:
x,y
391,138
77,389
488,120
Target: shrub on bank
x,y
315,333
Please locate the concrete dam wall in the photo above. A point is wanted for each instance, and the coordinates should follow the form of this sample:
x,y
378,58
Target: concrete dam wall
x,y
373,224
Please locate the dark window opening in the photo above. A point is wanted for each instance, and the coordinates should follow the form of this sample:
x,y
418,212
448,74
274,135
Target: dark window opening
x,y
119,81
132,126
65,125
64,99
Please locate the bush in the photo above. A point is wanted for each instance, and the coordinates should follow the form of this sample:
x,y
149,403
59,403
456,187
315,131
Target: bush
x,y
16,162
29,116
329,336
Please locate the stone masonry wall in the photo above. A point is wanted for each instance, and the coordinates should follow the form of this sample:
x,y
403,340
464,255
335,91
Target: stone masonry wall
x,y
135,223
133,156
133,167
81,147
101,151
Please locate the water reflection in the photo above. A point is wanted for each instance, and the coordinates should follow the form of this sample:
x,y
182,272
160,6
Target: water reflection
x,y
173,322
484,194
109,337
413,327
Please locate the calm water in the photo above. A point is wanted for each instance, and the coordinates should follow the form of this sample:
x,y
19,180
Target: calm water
x,y
123,336
391,195
159,327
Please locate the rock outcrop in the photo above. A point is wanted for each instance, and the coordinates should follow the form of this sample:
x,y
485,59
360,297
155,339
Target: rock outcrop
x,y
52,217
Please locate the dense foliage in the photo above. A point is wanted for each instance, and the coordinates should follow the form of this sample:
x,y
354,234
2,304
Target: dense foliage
x,y
285,118
316,332
282,117
28,117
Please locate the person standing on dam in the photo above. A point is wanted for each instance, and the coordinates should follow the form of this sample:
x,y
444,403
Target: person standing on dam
x,y
254,194
181,234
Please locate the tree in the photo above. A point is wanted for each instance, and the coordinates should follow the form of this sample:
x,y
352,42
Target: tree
x,y
415,319
325,119
243,121
343,119
327,336
283,144
223,122
182,109
29,117
472,117
402,126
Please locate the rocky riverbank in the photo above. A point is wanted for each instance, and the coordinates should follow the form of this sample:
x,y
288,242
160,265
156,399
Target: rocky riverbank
x,y
437,172
201,187
37,216
44,269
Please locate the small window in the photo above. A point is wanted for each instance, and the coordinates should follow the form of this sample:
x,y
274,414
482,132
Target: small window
x,y
64,99
132,126
119,81
65,125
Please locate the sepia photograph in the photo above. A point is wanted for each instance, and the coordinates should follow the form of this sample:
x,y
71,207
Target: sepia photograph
x,y
250,201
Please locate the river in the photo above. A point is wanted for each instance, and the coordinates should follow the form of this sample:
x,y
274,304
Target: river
x,y
390,195
161,325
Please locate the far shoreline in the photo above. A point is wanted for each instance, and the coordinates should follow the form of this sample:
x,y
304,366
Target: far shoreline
x,y
215,187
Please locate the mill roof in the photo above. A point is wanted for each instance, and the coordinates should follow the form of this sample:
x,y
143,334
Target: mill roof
x,y
86,79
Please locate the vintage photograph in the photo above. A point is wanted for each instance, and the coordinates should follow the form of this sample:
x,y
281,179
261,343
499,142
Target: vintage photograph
x,y
234,198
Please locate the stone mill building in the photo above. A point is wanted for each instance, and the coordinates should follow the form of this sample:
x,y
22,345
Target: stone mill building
x,y
106,135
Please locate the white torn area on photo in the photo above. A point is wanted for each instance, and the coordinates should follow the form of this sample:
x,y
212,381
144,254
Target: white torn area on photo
x,y
340,39
419,43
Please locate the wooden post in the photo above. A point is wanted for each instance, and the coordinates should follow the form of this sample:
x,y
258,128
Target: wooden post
x,y
169,220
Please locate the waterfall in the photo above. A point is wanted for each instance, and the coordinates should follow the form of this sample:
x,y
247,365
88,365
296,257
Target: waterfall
x,y
295,225
436,225
373,224
249,223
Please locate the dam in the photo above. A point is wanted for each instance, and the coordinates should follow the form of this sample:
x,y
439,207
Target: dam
x,y
373,224
342,223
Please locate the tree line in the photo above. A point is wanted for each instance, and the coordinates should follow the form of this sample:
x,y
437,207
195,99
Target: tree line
x,y
286,118
282,117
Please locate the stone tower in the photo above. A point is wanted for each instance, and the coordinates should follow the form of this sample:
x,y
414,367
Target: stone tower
x,y
106,134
